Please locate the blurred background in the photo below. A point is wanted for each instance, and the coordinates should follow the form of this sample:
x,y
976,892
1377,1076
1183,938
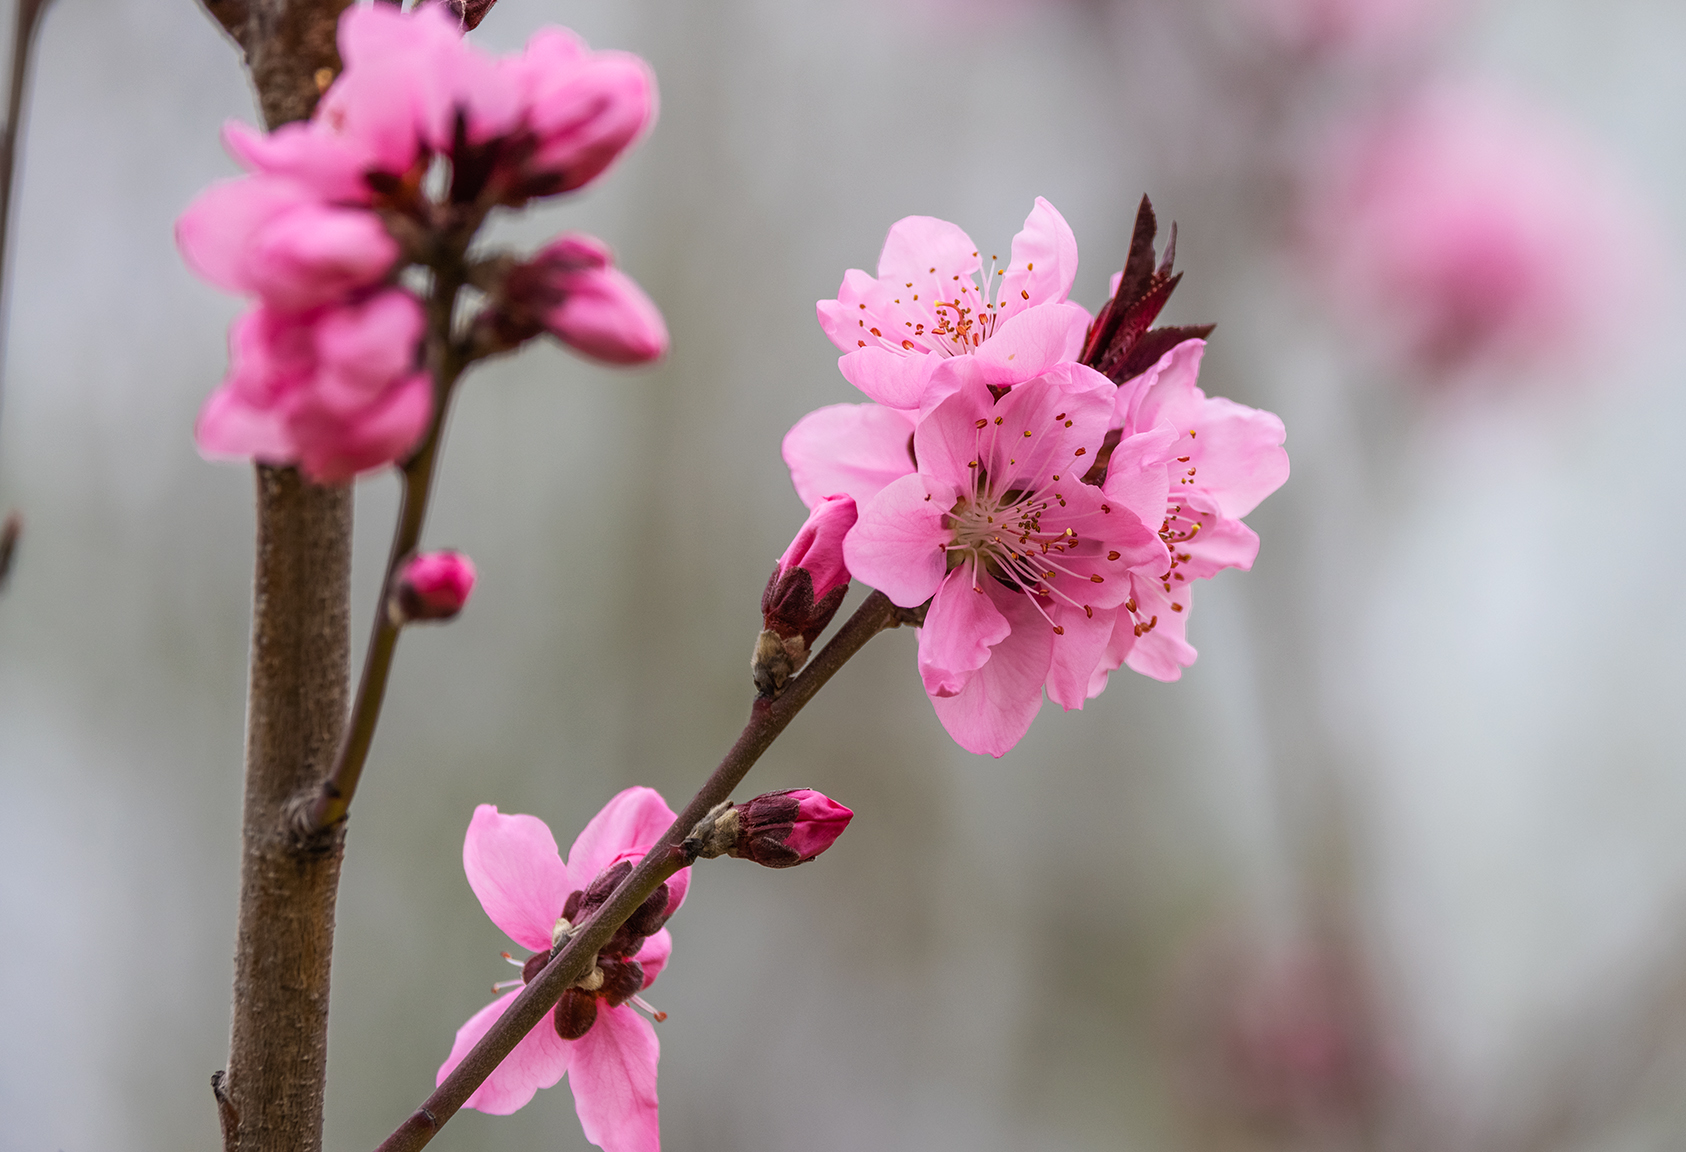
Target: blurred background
x,y
1396,865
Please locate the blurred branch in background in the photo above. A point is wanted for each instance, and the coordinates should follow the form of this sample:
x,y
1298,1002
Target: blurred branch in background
x,y
29,14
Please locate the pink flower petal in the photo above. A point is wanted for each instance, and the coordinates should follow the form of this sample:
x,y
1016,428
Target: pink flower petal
x,y
333,449
852,449
230,427
896,545
613,1075
927,252
1076,653
655,953
630,823
606,315
1162,653
1044,261
538,1061
1030,343
514,868
890,376
995,709
1240,455
960,629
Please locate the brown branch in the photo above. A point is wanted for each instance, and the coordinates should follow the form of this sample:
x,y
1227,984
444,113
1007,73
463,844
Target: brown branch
x,y
296,708
326,806
767,719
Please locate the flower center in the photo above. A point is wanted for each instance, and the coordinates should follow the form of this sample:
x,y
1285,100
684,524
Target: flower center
x,y
997,530
964,322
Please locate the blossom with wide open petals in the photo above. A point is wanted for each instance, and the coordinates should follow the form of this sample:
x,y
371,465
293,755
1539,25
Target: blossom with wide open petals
x,y
1224,458
1019,558
524,885
934,318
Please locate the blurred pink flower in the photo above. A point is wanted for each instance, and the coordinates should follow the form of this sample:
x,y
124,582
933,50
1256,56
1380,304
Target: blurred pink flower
x,y
934,318
1288,1039
516,870
336,390
1468,232
1224,459
432,586
549,119
324,372
275,238
572,289
1364,27
1019,558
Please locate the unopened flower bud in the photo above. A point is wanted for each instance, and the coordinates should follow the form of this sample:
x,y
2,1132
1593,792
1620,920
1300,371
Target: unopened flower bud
x,y
431,586
782,829
572,290
802,595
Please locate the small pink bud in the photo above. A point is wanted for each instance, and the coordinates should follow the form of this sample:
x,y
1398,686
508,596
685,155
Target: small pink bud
x,y
783,829
431,586
802,595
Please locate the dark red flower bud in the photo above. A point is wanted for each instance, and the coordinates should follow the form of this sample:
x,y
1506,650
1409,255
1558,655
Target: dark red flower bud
x,y
782,829
576,1012
651,914
622,980
534,965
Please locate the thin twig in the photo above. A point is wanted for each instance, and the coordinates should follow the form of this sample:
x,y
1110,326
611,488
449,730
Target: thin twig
x,y
333,800
767,719
23,50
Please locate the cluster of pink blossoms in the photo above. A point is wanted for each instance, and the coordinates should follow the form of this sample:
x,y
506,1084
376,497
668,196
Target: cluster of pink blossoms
x,y
412,145
1048,483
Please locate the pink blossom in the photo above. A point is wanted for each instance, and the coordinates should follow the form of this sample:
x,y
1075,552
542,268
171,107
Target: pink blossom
x,y
1359,27
335,390
1224,458
274,238
583,108
432,586
933,318
783,829
572,289
515,869
546,120
1020,559
1470,232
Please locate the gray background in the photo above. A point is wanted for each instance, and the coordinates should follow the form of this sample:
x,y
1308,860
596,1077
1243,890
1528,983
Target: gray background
x,y
1442,714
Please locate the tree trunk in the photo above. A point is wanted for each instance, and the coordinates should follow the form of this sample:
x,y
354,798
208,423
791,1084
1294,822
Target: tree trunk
x,y
271,1096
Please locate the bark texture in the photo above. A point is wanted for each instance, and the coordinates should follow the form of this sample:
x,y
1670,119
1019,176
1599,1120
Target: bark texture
x,y
300,677
271,1097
